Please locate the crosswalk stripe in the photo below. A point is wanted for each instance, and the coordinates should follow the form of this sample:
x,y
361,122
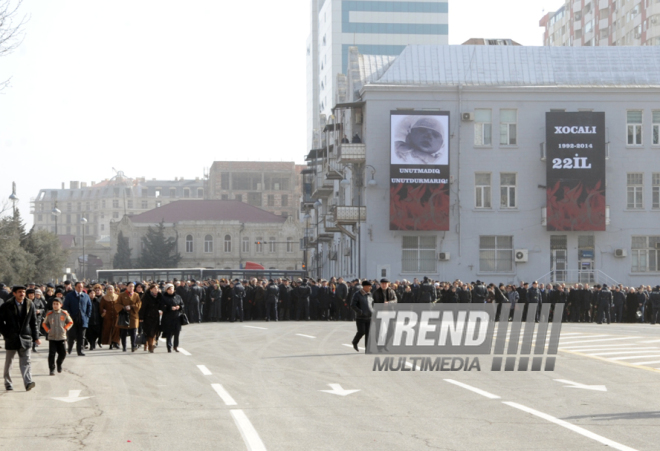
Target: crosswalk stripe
x,y
604,339
595,348
636,357
646,363
636,351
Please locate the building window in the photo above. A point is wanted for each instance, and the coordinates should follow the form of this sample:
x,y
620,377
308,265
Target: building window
x,y
189,244
224,180
145,192
228,244
172,192
271,244
115,203
271,200
115,215
483,127
208,244
418,254
285,200
634,120
259,245
656,127
238,197
102,227
40,218
508,127
645,253
246,245
130,203
482,189
200,192
496,254
635,190
224,197
254,199
289,245
186,193
508,190
145,204
656,190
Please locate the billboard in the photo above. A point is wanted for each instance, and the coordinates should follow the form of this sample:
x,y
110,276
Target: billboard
x,y
575,168
419,170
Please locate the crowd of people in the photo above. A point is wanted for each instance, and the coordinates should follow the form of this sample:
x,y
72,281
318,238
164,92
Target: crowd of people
x,y
108,314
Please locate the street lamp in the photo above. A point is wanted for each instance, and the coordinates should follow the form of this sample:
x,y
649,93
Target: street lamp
x,y
56,212
83,221
13,198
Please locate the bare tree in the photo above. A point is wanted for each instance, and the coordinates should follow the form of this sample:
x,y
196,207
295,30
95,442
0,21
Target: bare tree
x,y
11,29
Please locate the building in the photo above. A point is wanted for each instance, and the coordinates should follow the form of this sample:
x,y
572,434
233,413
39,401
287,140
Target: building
x,y
484,41
376,27
493,207
100,204
603,23
218,234
270,185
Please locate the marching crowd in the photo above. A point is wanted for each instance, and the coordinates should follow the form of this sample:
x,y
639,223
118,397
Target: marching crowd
x,y
106,314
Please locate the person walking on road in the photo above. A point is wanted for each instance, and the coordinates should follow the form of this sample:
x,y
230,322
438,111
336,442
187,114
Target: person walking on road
x,y
363,306
172,307
79,306
130,301
56,324
110,331
150,316
18,325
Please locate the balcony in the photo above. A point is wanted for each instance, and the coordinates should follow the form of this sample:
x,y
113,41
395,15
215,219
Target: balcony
x,y
353,153
322,187
329,224
333,169
350,215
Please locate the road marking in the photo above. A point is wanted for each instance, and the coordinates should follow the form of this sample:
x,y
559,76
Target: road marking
x,y
646,363
74,396
163,340
572,427
183,351
256,327
303,335
474,389
337,390
205,371
651,341
627,351
604,359
248,432
226,397
588,336
636,357
599,341
608,346
351,346
416,367
586,387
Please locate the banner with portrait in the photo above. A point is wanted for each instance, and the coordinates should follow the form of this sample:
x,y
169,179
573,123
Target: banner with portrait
x,y
419,170
575,170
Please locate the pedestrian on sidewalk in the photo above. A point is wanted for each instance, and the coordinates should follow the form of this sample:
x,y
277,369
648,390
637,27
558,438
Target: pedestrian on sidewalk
x,y
56,324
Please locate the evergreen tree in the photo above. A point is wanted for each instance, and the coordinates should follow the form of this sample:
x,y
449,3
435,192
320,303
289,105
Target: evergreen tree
x,y
49,257
17,265
122,259
157,250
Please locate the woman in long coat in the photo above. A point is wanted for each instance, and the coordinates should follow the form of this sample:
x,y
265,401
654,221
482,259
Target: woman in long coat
x,y
110,331
150,316
172,307
130,301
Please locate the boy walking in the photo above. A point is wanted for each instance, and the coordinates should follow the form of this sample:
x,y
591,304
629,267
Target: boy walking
x,y
56,324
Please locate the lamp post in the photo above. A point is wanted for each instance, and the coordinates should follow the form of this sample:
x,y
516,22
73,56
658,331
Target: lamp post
x,y
56,212
13,198
317,206
83,221
306,217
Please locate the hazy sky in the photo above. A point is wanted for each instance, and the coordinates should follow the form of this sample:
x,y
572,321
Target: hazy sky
x,y
163,88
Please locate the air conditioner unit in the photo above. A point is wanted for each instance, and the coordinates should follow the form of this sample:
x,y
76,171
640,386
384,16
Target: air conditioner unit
x,y
347,251
521,255
358,117
467,117
620,253
443,256
332,255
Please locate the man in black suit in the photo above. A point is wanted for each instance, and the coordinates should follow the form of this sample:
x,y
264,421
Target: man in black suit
x,y
18,324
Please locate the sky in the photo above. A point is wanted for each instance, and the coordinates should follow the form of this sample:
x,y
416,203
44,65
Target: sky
x,y
162,88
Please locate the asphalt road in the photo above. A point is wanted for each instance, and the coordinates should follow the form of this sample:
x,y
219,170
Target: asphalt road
x,y
259,386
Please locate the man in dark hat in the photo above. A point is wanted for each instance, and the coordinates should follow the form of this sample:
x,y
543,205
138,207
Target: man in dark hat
x,y
195,302
604,303
654,298
272,296
4,293
237,297
363,306
18,324
384,294
303,293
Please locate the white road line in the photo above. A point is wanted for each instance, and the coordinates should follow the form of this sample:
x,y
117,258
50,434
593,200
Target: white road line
x,y
599,341
627,351
474,389
635,357
205,371
226,397
303,335
586,337
248,432
572,427
351,346
410,365
646,363
651,341
571,333
183,351
608,346
256,327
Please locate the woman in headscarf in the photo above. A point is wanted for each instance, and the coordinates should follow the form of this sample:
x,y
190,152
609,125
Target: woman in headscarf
x,y
150,316
129,301
172,308
110,335
96,320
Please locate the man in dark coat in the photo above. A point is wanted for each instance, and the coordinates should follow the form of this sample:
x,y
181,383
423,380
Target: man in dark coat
x,y
427,292
18,325
285,300
237,299
303,292
341,294
362,304
654,298
195,298
79,307
479,293
384,294
272,294
604,304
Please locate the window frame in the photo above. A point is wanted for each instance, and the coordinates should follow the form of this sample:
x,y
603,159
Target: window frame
x,y
245,245
635,133
655,128
509,261
227,244
641,257
190,244
655,191
509,189
479,192
418,253
637,191
508,126
480,127
208,244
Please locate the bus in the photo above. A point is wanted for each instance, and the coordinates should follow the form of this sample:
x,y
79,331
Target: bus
x,y
163,274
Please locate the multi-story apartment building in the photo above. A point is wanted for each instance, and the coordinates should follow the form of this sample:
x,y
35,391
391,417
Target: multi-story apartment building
x,y
603,23
376,27
492,210
270,185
